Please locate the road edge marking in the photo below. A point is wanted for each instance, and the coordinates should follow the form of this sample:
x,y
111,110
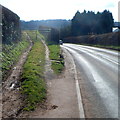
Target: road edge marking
x,y
79,97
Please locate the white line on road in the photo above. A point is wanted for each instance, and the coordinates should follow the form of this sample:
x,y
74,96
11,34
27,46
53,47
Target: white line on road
x,y
79,97
81,109
107,94
80,104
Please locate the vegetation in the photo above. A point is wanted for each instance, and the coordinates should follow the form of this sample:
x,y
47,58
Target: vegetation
x,y
52,41
109,40
92,29
11,52
57,59
50,34
53,37
34,25
65,32
33,35
88,23
13,43
33,84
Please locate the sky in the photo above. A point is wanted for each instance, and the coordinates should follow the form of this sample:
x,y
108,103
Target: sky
x,y
58,9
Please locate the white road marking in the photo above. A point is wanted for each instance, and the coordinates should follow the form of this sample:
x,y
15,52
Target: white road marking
x,y
101,85
96,53
79,97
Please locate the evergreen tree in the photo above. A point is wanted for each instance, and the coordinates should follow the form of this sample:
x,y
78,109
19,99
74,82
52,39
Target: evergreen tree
x,y
90,23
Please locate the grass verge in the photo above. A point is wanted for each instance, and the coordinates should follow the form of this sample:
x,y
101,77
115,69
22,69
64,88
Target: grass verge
x,y
56,58
33,85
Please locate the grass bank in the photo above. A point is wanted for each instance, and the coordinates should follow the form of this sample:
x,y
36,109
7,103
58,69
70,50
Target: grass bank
x,y
56,58
108,40
11,53
33,84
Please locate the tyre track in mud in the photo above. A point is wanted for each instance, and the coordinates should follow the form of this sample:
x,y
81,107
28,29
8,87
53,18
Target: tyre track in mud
x,y
12,100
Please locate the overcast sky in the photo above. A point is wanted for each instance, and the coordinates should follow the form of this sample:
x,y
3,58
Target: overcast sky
x,y
58,9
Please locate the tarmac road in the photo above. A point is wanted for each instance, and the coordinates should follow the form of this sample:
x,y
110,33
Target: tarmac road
x,y
97,71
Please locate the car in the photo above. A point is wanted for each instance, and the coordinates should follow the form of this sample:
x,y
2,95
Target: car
x,y
60,42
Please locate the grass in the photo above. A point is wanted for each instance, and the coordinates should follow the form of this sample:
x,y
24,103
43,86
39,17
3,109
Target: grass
x,y
57,58
33,84
11,53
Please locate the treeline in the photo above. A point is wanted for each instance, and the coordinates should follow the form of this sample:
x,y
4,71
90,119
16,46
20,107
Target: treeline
x,y
90,23
34,24
10,27
87,23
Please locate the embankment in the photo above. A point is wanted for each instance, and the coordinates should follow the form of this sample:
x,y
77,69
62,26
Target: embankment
x,y
109,40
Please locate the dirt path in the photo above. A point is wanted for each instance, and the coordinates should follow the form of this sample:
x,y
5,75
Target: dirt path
x,y
61,97
11,97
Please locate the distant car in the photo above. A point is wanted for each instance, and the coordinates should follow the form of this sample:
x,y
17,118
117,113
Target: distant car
x,y
116,30
60,42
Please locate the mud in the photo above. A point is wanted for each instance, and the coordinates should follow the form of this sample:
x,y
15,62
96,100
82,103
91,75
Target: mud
x,y
12,100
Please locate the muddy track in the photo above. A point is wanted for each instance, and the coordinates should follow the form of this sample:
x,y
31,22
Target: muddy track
x,y
12,100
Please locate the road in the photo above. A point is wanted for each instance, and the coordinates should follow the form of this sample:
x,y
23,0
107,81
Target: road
x,y
97,72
